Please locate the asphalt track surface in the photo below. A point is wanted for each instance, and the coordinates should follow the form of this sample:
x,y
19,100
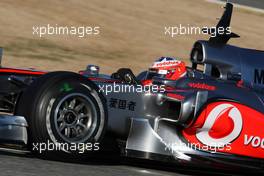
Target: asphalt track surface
x,y
12,163
24,164
251,3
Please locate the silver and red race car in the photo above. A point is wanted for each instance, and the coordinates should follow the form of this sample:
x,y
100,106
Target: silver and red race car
x,y
210,117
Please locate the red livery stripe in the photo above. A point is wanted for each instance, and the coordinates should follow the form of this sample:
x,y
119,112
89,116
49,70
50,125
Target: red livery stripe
x,y
21,71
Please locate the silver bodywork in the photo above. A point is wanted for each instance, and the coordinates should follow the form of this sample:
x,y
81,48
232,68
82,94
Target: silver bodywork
x,y
153,125
232,60
13,129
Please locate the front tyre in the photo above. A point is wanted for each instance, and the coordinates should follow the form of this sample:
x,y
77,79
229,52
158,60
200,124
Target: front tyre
x,y
66,114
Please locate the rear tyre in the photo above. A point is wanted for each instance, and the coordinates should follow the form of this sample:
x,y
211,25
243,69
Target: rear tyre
x,y
66,115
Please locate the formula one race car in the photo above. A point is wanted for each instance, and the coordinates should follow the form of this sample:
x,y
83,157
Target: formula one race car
x,y
203,117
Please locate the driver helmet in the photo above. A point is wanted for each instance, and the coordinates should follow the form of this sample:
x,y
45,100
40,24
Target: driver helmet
x,y
167,68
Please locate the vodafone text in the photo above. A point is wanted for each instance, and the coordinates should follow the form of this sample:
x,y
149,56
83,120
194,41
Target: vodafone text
x,y
254,141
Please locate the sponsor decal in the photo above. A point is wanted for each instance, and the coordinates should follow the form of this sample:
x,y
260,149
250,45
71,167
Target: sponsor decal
x,y
202,86
166,63
163,72
122,104
176,96
228,122
66,87
222,126
259,76
254,141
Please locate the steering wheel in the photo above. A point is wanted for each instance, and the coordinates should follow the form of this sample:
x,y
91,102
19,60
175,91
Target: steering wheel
x,y
126,76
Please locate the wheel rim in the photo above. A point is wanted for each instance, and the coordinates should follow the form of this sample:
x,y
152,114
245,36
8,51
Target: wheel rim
x,y
75,118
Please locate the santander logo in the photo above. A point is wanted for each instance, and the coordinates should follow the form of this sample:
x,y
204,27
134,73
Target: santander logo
x,y
222,125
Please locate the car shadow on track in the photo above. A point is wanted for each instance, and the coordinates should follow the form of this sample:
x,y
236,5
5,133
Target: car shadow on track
x,y
110,160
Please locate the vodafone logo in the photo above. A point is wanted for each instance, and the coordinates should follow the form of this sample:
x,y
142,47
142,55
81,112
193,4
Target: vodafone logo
x,y
222,126
166,63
